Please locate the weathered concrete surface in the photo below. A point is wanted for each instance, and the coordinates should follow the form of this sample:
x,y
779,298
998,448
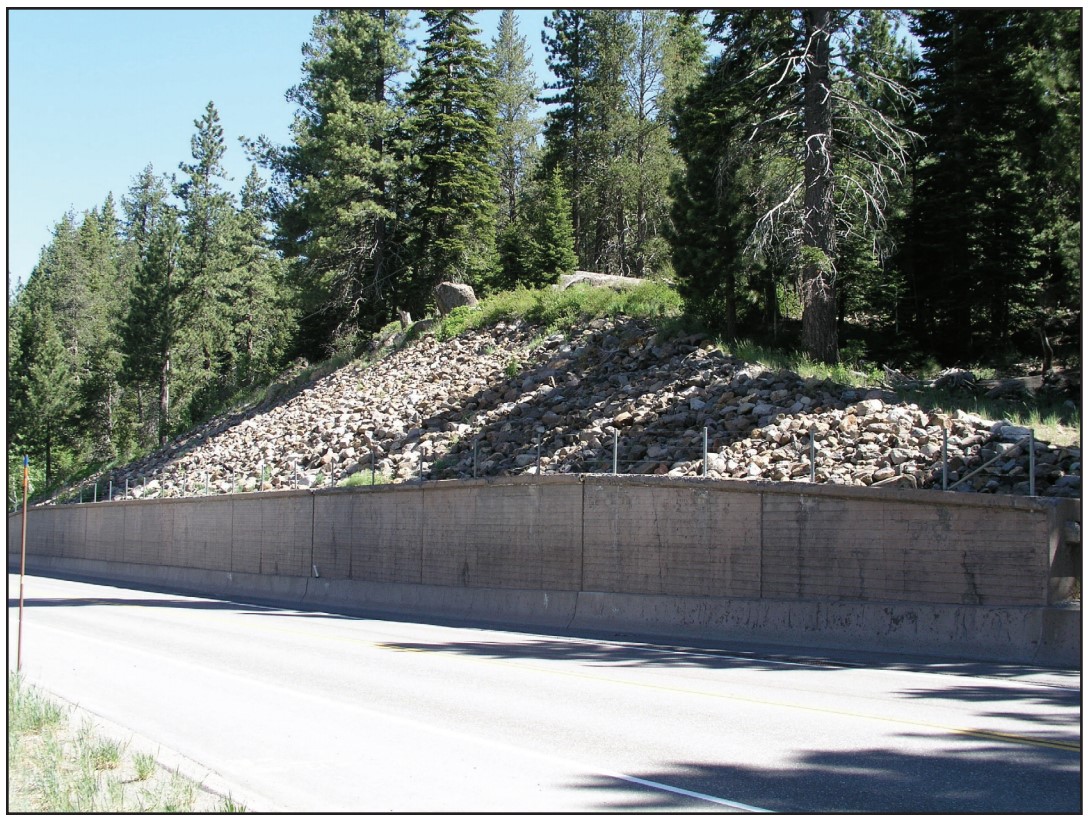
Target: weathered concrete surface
x,y
1040,635
920,572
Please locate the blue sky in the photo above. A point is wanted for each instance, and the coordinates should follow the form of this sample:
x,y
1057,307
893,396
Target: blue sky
x,y
96,95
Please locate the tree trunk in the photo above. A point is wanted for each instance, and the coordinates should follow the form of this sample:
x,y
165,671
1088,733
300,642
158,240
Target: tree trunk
x,y
164,399
819,336
380,180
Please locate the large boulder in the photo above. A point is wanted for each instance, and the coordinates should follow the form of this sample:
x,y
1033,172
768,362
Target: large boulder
x,y
451,295
591,278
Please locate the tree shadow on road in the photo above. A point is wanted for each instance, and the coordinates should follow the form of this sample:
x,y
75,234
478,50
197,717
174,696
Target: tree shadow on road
x,y
954,777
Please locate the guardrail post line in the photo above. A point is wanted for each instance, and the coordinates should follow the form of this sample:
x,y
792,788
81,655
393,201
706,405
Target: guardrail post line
x,y
615,451
95,498
111,492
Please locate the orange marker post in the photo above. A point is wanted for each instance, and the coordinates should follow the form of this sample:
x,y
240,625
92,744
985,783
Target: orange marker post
x,y
22,566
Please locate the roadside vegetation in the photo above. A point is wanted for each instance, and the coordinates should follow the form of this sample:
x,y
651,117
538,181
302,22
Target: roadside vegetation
x,y
57,765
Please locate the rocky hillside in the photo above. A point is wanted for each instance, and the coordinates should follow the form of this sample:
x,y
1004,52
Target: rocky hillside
x,y
513,399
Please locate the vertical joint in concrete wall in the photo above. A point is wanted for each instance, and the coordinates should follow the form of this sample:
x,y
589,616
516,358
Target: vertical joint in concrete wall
x,y
760,545
582,532
313,523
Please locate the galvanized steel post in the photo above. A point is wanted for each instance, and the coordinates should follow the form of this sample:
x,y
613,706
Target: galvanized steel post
x,y
705,470
945,467
813,454
1032,466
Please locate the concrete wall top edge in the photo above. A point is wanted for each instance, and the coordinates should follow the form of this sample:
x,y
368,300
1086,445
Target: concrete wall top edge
x,y
795,488
1070,506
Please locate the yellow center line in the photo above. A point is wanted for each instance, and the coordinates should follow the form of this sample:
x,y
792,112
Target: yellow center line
x,y
981,733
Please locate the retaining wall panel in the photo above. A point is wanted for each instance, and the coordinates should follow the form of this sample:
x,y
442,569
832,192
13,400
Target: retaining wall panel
x,y
660,539
105,532
149,533
817,547
515,535
70,531
333,534
201,538
271,534
387,532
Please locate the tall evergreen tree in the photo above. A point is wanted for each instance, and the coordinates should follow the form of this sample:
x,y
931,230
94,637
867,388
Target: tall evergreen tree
x,y
453,128
793,90
100,389
42,388
144,206
987,203
515,87
337,194
569,55
154,330
261,318
617,74
207,212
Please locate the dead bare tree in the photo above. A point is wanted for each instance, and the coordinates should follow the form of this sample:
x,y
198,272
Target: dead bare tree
x,y
828,157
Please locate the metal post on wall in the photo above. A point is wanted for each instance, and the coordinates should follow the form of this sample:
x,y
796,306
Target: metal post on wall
x,y
614,451
945,467
705,470
813,454
1032,466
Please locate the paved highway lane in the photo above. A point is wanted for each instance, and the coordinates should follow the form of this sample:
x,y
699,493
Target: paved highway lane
x,y
320,713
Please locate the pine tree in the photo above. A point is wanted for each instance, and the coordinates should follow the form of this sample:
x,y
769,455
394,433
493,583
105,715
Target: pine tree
x,y
210,289
453,128
45,389
153,331
793,107
261,319
107,289
708,230
144,207
608,132
337,195
515,87
549,251
985,207
569,50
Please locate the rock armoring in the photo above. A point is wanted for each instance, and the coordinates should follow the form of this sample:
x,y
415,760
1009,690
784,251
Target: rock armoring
x,y
517,399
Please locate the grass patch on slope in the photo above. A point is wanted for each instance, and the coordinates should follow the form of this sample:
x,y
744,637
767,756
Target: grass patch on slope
x,y
562,309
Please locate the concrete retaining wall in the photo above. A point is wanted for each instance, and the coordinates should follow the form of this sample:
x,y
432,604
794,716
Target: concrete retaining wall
x,y
921,572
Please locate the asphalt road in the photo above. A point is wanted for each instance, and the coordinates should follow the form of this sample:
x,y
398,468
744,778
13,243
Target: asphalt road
x,y
307,712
